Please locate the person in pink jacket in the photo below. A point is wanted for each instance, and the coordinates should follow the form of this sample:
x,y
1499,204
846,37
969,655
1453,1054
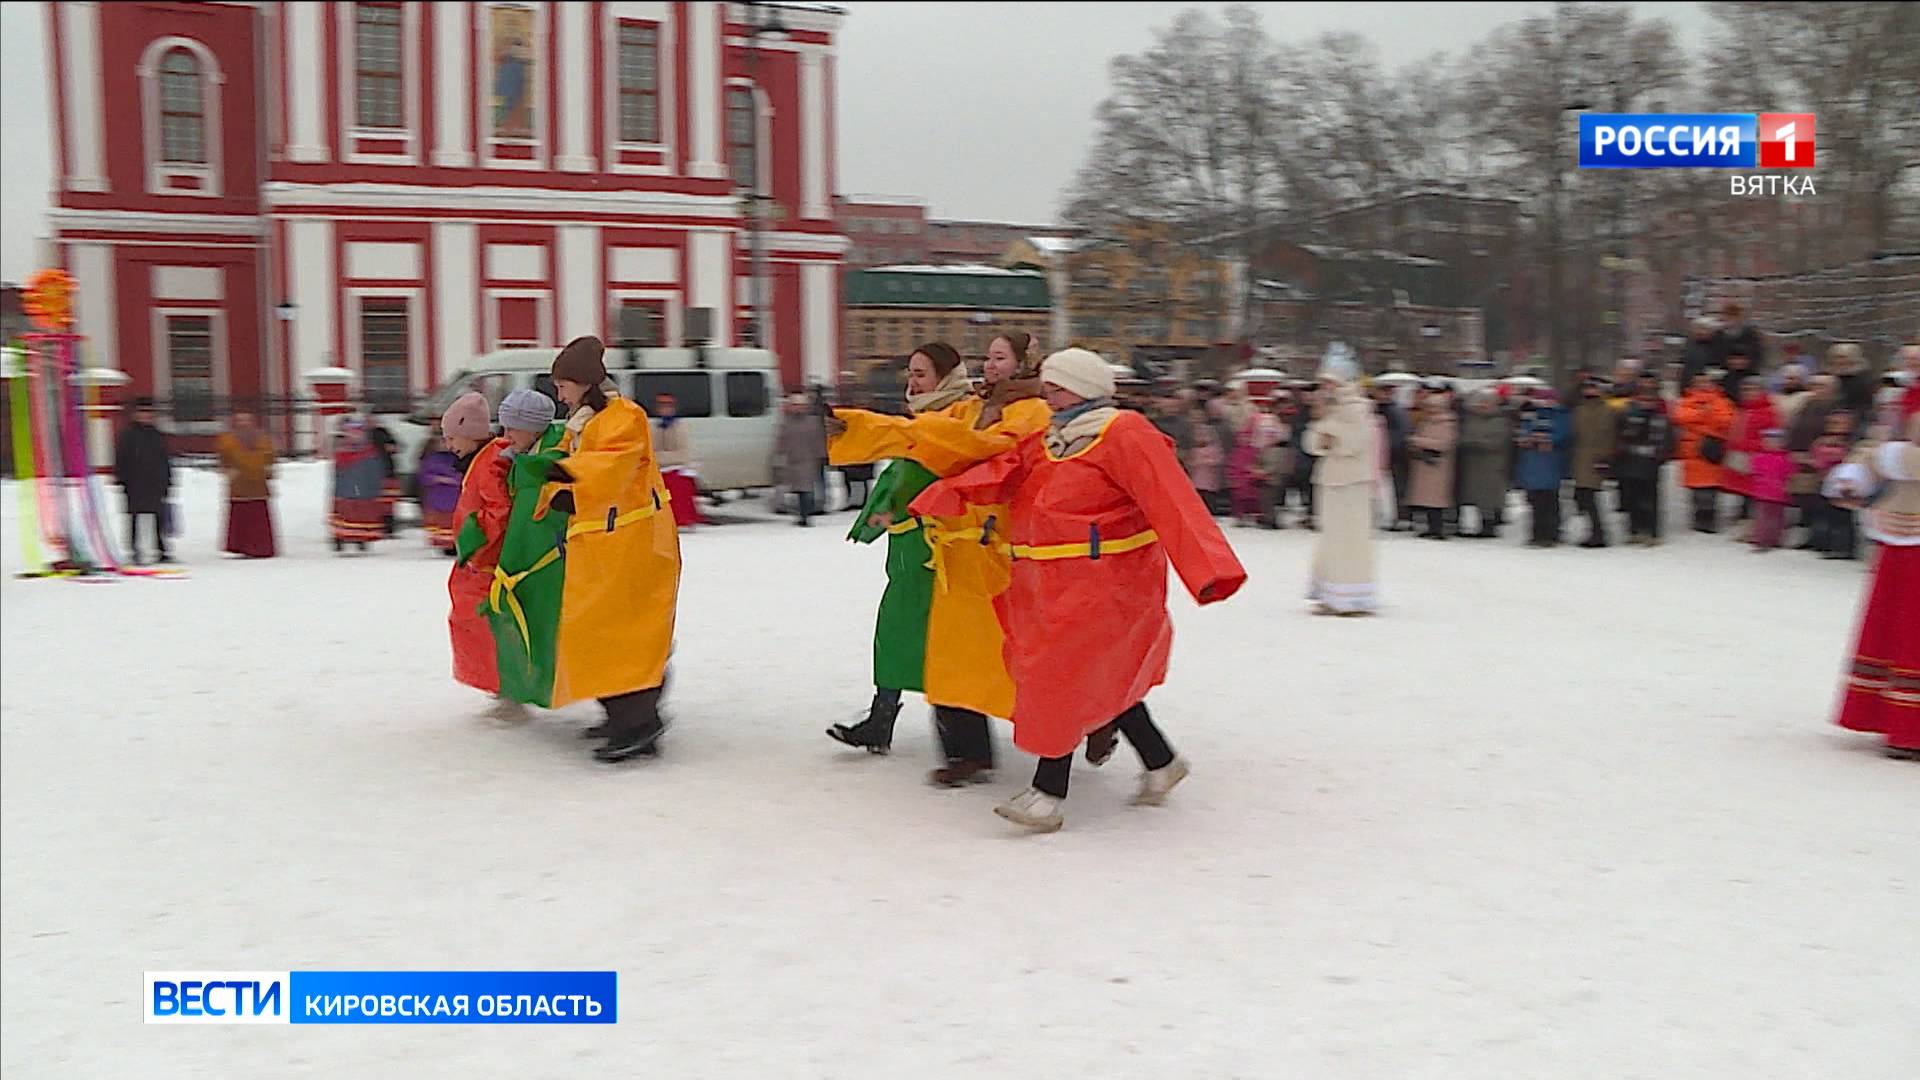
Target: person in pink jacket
x,y
1767,476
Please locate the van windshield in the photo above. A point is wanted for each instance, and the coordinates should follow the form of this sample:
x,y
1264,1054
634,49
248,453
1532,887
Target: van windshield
x,y
455,385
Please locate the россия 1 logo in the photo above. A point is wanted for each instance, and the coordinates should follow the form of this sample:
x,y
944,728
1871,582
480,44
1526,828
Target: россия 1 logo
x,y
1704,141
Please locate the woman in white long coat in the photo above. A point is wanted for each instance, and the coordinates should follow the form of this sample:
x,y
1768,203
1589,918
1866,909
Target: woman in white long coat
x,y
1345,437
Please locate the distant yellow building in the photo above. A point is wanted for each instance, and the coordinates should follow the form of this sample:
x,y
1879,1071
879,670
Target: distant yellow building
x,y
1140,297
891,310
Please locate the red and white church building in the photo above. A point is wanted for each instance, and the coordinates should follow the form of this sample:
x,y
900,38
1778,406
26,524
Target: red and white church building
x,y
250,192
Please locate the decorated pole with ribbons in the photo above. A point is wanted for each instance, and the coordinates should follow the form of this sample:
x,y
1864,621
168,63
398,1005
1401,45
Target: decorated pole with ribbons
x,y
54,444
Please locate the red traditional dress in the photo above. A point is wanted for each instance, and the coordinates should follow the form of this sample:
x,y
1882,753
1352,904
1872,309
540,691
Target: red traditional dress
x,y
1092,531
1882,690
484,497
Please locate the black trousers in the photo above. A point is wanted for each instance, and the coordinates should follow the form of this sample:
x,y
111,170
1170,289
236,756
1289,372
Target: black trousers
x,y
1051,775
1402,470
133,534
1706,509
964,735
1546,515
804,505
633,715
1587,501
1836,530
1642,500
1436,519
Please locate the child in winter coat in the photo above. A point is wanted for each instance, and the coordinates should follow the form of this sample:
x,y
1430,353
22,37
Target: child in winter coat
x,y
1767,475
480,524
1541,434
1832,523
438,477
359,516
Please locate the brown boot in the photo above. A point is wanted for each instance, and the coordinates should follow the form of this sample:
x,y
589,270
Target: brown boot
x,y
960,772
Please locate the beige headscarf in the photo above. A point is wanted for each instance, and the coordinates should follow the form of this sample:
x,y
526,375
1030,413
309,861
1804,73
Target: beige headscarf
x,y
953,386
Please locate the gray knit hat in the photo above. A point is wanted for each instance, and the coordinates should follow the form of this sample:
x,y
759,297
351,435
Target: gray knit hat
x,y
526,410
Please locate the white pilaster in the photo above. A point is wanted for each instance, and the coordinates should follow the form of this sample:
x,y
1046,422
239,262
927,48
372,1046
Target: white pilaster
x,y
453,295
703,89
708,254
306,83
580,288
575,101
312,287
453,97
85,118
818,361
94,315
813,136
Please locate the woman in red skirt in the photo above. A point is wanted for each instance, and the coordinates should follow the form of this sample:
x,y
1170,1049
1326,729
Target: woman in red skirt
x,y
246,456
673,448
1882,691
357,478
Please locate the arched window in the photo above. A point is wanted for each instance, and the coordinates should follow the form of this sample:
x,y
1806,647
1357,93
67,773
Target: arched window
x,y
183,110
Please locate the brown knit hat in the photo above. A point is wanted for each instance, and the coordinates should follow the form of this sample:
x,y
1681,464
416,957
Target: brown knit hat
x,y
581,361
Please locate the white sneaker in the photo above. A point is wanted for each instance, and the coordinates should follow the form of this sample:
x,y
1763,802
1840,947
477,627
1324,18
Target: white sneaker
x,y
505,711
1035,811
1156,785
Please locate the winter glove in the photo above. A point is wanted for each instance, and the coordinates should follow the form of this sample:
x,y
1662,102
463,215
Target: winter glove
x,y
557,473
562,503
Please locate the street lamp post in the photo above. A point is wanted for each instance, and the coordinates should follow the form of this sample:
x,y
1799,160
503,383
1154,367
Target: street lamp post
x,y
770,28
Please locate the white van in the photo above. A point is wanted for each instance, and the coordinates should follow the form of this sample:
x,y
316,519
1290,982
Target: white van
x,y
728,398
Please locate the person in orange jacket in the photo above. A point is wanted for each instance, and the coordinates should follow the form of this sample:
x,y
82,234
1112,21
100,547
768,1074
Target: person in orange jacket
x,y
1704,418
1097,506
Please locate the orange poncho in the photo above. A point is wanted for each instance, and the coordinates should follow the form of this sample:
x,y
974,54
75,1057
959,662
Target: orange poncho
x,y
1086,614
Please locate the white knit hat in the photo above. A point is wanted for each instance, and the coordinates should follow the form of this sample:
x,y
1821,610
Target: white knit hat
x,y
1080,371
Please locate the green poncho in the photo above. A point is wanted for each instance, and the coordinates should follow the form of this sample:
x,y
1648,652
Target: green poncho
x,y
900,629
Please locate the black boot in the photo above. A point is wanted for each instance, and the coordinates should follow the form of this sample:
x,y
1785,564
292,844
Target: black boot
x,y
875,733
967,744
635,723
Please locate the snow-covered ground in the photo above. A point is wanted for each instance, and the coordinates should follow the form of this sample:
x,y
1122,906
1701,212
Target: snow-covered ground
x,y
1556,814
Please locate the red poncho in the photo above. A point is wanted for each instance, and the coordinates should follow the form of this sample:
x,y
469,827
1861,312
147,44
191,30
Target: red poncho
x,y
1088,635
483,497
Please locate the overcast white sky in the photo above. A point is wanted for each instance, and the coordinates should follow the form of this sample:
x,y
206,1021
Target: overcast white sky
x,y
984,110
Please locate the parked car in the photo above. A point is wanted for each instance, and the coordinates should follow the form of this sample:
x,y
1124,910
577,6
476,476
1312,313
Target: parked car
x,y
728,398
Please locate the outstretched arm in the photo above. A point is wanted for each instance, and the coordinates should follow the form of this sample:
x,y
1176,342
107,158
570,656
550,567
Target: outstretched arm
x,y
1141,462
987,484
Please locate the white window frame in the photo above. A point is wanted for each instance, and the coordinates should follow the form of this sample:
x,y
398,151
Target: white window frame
x,y
347,16
211,79
415,297
543,314
483,93
163,363
662,15
763,156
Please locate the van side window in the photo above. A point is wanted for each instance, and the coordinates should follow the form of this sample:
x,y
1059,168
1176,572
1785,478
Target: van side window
x,y
692,391
746,393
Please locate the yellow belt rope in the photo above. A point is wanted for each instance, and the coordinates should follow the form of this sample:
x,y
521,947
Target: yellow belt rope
x,y
940,539
504,583
1084,549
